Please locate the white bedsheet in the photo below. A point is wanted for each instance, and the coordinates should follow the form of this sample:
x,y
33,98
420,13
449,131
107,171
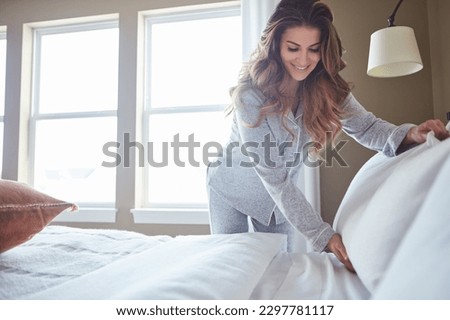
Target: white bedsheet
x,y
70,263
310,276
76,264
60,254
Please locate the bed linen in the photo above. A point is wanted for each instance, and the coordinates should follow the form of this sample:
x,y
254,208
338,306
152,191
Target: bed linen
x,y
381,206
71,263
424,251
310,276
394,221
60,254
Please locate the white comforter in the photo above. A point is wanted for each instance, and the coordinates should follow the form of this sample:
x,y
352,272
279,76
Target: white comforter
x,y
71,263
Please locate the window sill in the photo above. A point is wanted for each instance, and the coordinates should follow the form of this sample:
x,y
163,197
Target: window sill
x,y
171,216
96,215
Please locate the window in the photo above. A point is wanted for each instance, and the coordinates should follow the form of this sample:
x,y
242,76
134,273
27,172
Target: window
x,y
74,111
192,59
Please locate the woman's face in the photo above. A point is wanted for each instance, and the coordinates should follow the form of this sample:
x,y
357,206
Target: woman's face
x,y
300,51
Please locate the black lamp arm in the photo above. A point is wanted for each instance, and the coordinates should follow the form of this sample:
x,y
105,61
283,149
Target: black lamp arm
x,y
392,16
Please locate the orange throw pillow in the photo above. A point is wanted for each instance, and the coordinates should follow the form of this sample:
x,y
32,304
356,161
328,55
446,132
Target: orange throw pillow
x,y
24,212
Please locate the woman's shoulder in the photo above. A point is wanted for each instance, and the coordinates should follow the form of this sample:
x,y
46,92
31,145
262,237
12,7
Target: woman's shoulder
x,y
348,99
354,112
248,97
248,102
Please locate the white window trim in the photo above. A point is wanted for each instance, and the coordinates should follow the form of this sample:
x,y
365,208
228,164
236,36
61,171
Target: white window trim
x,y
90,215
189,216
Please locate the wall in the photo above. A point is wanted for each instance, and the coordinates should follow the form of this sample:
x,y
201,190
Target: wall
x,y
398,100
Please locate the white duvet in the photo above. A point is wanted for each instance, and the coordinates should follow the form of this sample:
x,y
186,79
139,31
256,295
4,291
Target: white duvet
x,y
71,263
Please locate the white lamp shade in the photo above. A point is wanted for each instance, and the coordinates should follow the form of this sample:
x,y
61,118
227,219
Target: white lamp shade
x,y
393,53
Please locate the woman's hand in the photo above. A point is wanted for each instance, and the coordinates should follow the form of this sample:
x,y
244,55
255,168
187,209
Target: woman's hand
x,y
336,246
418,134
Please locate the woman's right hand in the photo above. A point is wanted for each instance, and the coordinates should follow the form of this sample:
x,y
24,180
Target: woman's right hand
x,y
336,246
418,134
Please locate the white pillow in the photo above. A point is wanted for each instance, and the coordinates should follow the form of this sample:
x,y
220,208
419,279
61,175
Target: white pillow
x,y
421,265
203,267
381,202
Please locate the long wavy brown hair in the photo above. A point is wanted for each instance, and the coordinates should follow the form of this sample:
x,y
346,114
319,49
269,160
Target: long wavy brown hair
x,y
322,92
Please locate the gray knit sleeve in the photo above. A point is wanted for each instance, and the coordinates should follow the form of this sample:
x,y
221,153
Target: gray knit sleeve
x,y
370,131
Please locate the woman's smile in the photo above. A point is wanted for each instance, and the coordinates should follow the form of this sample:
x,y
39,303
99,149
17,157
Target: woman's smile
x,y
300,68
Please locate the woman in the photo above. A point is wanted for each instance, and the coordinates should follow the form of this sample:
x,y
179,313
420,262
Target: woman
x,y
289,98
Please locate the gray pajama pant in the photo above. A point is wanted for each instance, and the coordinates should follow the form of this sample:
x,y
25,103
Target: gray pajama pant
x,y
224,219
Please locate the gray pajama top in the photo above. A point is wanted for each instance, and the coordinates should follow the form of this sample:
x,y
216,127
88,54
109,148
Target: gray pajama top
x,y
258,170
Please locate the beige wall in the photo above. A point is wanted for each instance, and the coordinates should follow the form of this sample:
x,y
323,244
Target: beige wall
x,y
439,26
413,98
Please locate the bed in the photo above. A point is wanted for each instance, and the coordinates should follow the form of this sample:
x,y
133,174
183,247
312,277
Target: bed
x,y
394,221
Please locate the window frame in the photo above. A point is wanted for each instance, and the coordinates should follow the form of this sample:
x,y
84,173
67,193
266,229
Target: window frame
x,y
175,212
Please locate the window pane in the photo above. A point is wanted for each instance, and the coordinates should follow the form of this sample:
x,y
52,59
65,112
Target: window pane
x,y
69,156
169,181
79,71
194,62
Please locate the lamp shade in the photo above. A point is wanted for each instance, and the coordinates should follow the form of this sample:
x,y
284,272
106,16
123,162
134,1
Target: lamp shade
x,y
393,53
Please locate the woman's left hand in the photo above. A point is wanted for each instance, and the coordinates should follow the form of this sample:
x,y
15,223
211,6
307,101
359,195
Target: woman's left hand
x,y
418,134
